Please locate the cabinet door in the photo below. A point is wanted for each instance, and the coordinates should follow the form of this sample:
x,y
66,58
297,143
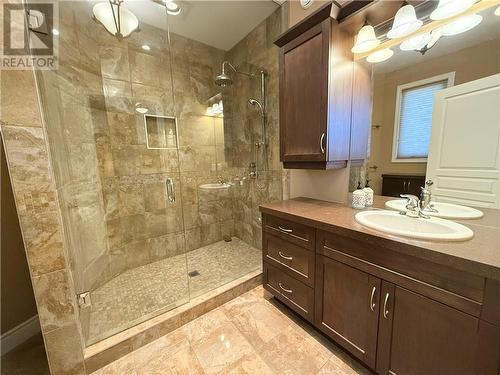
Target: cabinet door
x,y
347,307
420,336
393,187
303,95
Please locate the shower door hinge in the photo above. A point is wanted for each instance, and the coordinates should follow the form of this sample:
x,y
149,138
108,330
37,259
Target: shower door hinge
x,y
84,299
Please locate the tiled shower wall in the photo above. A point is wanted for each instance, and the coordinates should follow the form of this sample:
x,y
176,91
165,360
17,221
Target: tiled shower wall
x,y
242,125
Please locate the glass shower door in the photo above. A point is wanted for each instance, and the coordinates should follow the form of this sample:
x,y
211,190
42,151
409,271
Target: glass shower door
x,y
112,131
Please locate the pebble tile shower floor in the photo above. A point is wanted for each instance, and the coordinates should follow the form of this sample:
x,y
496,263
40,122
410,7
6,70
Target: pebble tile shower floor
x,y
146,291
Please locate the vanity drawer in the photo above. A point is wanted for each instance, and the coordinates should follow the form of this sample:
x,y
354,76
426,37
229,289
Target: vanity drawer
x,y
299,234
296,295
292,259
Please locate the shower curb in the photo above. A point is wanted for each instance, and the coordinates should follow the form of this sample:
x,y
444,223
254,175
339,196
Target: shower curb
x,y
106,351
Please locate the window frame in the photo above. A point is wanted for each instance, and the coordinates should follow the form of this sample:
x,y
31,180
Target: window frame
x,y
449,77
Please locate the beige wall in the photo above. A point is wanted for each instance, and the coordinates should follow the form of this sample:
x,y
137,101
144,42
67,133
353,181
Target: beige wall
x,y
468,64
17,303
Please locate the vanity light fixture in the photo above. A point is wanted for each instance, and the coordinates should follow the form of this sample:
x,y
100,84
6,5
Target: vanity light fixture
x,y
435,36
450,8
405,22
461,25
117,20
172,7
416,43
379,56
145,47
366,39
497,12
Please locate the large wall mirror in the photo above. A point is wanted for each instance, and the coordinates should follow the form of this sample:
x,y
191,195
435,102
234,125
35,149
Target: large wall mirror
x,y
436,117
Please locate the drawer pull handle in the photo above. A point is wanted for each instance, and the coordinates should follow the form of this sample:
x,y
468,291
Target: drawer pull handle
x,y
372,304
285,230
284,256
285,289
386,312
321,143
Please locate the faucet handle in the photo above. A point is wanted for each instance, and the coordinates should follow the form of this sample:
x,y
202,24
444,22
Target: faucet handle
x,y
412,200
429,183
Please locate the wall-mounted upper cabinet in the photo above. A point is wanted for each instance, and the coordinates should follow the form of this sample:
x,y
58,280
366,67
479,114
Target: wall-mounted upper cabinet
x,y
316,86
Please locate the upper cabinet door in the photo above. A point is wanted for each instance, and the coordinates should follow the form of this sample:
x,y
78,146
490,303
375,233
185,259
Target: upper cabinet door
x,y
420,336
303,95
347,301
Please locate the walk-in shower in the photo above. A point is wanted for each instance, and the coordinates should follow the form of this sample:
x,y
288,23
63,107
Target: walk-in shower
x,y
225,80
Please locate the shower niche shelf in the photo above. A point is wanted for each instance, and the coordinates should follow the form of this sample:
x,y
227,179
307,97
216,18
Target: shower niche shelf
x,y
161,132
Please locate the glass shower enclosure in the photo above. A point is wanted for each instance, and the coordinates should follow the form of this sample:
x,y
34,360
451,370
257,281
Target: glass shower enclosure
x,y
151,156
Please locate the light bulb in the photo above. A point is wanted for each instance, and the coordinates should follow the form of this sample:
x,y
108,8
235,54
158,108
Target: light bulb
x,y
365,40
379,56
461,25
435,36
497,12
416,43
450,8
405,23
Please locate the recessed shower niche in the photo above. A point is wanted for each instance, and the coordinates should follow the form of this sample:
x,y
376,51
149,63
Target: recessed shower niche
x,y
161,132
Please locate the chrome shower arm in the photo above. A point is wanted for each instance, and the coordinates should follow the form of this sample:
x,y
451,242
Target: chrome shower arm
x,y
227,63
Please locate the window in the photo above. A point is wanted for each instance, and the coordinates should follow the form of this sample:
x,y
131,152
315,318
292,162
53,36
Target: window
x,y
413,118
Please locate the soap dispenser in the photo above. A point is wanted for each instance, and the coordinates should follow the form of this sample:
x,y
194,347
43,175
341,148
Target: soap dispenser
x,y
358,198
368,194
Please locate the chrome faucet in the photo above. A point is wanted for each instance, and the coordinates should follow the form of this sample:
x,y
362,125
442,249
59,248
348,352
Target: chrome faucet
x,y
425,198
221,180
413,205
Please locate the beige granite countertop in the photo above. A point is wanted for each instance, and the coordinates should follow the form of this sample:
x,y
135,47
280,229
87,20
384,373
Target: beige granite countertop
x,y
479,255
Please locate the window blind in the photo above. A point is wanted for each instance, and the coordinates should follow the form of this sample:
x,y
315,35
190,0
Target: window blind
x,y
415,119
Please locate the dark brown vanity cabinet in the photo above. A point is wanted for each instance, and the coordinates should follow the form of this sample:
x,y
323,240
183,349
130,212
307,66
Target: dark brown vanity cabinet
x,y
418,335
396,313
347,302
316,85
393,185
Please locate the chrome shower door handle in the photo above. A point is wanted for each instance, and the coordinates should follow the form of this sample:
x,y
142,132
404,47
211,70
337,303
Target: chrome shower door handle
x,y
170,190
321,143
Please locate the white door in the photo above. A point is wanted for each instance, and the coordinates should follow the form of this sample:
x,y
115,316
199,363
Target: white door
x,y
464,152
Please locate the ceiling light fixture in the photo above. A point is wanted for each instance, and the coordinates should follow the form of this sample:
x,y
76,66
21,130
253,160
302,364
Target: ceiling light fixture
x,y
366,40
172,7
405,22
450,8
145,47
416,43
117,20
379,56
461,25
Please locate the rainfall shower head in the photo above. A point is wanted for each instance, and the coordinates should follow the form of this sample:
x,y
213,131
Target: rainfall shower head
x,y
223,80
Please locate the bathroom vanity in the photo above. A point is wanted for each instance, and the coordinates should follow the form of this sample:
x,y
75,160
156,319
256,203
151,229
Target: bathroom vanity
x,y
399,305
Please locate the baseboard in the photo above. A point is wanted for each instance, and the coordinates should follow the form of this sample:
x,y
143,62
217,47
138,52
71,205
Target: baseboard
x,y
17,335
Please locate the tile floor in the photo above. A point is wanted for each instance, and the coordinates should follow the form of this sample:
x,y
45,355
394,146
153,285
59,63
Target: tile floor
x,y
144,292
252,334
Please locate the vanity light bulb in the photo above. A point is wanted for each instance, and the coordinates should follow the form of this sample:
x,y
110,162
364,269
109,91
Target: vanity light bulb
x,y
435,36
365,40
379,56
405,23
461,25
450,8
497,12
416,43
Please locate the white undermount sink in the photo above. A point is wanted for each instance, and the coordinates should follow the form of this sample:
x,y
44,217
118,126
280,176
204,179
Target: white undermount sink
x,y
215,186
444,210
433,229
